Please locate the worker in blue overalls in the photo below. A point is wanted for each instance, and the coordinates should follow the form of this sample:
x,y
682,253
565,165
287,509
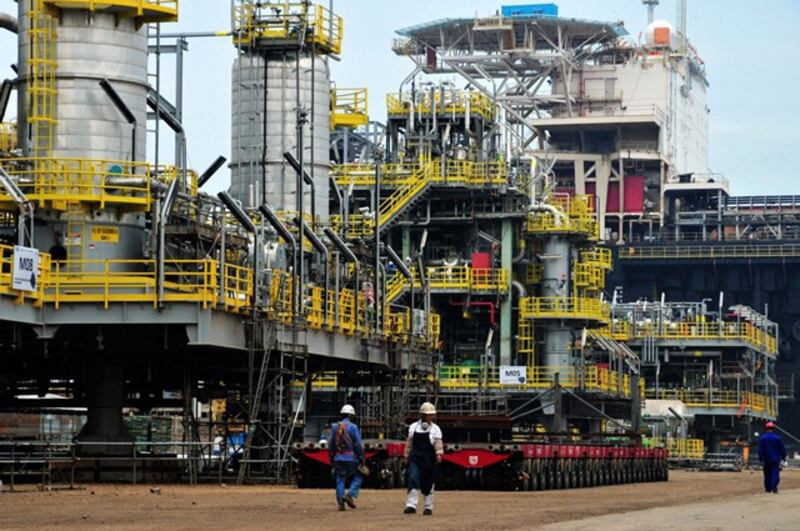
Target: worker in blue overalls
x,y
771,452
347,454
424,450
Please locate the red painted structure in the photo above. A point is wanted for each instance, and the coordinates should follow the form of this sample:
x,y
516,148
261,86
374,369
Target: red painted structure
x,y
526,466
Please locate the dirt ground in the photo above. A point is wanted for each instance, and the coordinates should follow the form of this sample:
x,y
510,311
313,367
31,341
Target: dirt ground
x,y
206,507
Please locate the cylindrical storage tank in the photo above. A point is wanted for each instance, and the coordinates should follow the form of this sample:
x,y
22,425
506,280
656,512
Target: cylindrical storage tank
x,y
274,77
90,47
89,131
556,283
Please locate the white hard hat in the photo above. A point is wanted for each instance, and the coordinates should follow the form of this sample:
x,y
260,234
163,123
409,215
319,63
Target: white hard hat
x,y
427,409
347,409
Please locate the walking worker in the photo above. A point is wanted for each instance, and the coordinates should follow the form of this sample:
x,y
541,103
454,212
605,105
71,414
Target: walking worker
x,y
347,454
771,452
424,450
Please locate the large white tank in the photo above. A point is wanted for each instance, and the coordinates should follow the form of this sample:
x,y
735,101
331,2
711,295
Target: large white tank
x,y
556,283
253,80
89,47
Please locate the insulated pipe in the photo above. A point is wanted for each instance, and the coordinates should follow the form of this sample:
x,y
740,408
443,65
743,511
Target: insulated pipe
x,y
320,247
520,288
286,234
293,162
339,199
345,250
8,22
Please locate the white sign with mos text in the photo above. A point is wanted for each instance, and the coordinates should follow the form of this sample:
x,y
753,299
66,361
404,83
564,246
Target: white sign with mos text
x,y
513,375
26,268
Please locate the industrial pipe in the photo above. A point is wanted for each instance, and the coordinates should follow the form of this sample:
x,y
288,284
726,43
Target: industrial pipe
x,y
520,288
293,162
286,234
316,242
345,250
8,22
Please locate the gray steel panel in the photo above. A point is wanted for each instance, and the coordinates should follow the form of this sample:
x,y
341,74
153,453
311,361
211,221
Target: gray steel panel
x,y
336,346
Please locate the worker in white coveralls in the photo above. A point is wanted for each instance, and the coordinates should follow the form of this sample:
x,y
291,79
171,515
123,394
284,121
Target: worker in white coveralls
x,y
424,450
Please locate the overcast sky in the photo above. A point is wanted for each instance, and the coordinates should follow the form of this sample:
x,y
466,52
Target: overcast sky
x,y
749,48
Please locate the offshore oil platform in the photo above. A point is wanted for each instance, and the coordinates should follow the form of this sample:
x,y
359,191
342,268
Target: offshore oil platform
x,y
510,243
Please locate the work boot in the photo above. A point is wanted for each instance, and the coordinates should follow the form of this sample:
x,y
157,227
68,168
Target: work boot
x,y
349,501
427,512
341,507
410,510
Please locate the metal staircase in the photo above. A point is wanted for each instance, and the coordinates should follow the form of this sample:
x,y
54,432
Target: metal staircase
x,y
404,197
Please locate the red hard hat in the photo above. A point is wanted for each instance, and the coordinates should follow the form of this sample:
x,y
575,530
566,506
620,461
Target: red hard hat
x,y
769,425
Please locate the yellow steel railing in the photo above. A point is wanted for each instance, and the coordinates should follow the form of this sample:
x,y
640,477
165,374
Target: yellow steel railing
x,y
686,448
110,281
583,308
455,172
142,10
452,278
167,174
284,20
591,378
237,288
737,401
598,257
8,137
588,276
398,326
618,330
441,102
710,252
51,182
349,107
712,330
